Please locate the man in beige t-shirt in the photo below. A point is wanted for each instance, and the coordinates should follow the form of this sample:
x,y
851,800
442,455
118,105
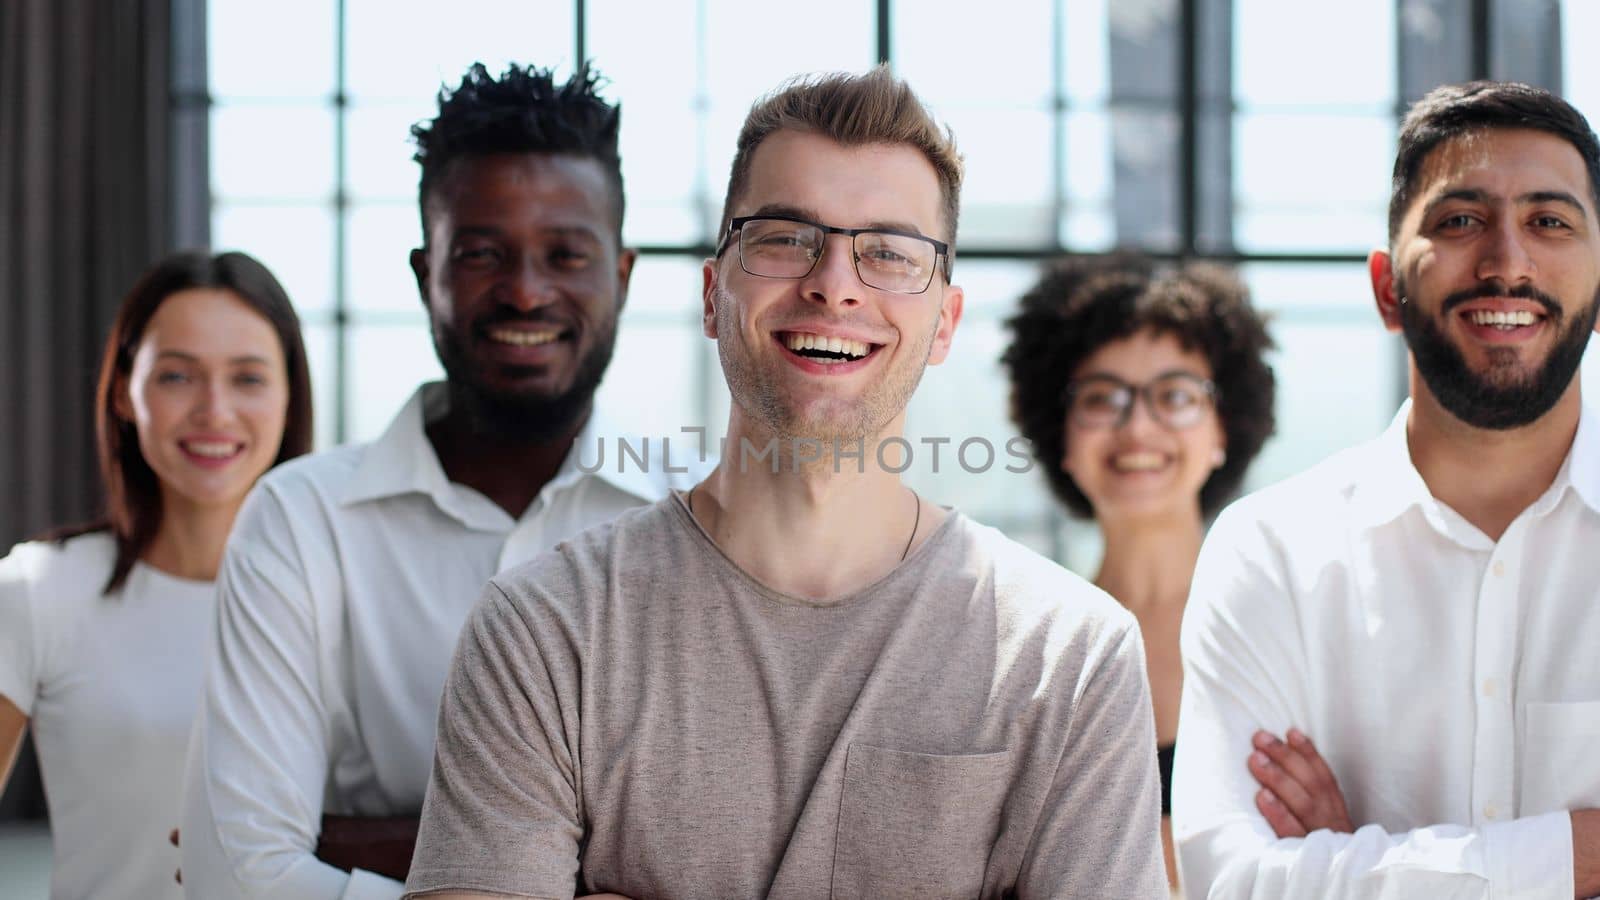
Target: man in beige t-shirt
x,y
799,679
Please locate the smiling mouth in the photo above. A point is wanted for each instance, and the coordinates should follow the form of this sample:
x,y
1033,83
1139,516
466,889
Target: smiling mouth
x,y
519,337
212,449
1139,461
826,349
1503,321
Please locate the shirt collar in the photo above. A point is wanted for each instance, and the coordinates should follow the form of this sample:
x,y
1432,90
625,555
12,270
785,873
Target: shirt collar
x,y
1386,482
1584,460
402,460
1581,470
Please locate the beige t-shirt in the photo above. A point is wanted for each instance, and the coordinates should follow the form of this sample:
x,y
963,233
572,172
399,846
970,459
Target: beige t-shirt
x,y
634,713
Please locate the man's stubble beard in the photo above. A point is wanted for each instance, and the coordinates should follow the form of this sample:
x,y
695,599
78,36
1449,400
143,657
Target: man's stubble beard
x,y
763,400
523,417
1498,399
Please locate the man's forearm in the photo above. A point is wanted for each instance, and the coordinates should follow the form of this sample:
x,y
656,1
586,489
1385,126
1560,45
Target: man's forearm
x,y
381,844
1586,852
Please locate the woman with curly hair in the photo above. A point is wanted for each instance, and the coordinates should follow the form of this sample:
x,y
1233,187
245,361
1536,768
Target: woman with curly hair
x,y
1145,393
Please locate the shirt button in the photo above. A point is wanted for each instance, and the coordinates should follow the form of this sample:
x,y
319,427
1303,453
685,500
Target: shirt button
x,y
1489,687
1499,569
1491,812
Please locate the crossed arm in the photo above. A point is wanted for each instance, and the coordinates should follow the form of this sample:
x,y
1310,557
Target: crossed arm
x,y
1276,824
1300,794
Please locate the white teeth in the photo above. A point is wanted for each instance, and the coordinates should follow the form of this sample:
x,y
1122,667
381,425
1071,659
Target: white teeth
x,y
797,340
1502,319
211,449
521,338
1145,461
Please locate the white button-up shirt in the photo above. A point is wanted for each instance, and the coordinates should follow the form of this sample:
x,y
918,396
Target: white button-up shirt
x,y
1451,681
346,580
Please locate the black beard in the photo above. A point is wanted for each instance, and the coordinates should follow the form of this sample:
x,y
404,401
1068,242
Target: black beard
x,y
1476,399
528,418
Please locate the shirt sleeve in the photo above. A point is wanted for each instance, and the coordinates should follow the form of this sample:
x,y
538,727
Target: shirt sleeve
x,y
1100,831
258,754
19,640
1242,673
503,811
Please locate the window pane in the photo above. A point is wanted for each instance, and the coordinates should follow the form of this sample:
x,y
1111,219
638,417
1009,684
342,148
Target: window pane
x,y
1315,54
320,338
295,242
1580,22
651,387
1339,373
386,363
378,150
965,398
405,49
661,117
1006,136
1012,37
1085,39
1314,138
1311,181
247,43
270,152
665,287
378,276
750,55
1006,195
1087,221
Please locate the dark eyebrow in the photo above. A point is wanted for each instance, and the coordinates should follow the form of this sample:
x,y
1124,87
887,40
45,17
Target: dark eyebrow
x,y
1561,197
1474,195
810,215
492,231
1469,195
249,359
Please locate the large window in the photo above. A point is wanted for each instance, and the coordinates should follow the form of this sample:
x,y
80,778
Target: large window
x,y
1255,132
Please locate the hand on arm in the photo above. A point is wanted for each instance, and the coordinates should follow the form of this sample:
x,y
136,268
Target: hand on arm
x,y
381,844
1299,793
13,724
1586,853
1244,670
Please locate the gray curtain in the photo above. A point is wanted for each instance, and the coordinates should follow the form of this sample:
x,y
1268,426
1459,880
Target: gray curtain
x,y
88,193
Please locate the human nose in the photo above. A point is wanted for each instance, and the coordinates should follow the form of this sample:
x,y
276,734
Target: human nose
x,y
528,287
1139,415
833,278
1506,257
213,403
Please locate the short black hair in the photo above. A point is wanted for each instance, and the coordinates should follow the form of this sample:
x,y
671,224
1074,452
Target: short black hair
x,y
1083,303
522,111
1454,110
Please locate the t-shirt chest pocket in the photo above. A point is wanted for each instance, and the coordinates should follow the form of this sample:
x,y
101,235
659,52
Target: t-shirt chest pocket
x,y
917,824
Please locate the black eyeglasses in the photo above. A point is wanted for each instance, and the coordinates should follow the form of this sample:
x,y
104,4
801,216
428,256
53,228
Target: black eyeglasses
x,y
775,246
1177,400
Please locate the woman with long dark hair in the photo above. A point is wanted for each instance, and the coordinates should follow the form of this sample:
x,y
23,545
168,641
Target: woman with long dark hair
x,y
203,387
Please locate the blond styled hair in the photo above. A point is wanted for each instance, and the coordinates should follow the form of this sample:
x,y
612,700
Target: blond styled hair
x,y
853,110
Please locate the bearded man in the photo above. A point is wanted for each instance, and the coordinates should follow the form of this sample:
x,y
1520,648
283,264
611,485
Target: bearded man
x,y
348,574
1426,606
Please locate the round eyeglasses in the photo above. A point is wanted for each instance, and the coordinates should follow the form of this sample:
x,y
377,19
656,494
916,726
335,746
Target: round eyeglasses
x,y
1177,400
774,246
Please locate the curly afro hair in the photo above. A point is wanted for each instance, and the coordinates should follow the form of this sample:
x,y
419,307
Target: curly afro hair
x,y
1083,303
522,111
